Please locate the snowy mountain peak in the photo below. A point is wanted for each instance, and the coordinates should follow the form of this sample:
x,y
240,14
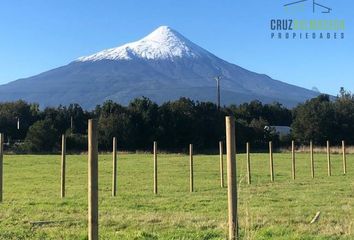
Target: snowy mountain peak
x,y
163,43
164,34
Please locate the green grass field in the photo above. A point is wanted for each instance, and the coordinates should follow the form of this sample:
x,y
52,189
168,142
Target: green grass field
x,y
280,210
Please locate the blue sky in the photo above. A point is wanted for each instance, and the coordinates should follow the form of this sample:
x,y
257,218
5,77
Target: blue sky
x,y
39,35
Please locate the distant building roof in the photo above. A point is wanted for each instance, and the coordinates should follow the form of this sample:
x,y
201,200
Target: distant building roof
x,y
281,130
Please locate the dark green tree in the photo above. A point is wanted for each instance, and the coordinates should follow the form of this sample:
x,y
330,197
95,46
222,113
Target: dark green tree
x,y
344,116
315,120
41,137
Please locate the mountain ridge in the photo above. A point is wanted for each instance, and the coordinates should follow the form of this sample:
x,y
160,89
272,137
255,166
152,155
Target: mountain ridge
x,y
163,66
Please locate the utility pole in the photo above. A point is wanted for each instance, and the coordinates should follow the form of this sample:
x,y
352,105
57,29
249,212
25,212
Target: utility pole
x,y
218,78
71,124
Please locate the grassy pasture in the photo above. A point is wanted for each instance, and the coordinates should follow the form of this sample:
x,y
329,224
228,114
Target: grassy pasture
x,y
280,210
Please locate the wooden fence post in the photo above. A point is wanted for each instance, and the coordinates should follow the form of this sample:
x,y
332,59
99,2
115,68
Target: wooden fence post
x,y
312,160
92,180
155,167
293,159
221,156
191,176
63,165
248,163
271,164
344,158
1,164
114,164
329,159
231,177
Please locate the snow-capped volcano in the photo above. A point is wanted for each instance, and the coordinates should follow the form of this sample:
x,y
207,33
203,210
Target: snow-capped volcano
x,y
163,43
162,66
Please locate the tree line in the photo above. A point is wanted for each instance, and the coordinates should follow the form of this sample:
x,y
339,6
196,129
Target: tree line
x,y
175,124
